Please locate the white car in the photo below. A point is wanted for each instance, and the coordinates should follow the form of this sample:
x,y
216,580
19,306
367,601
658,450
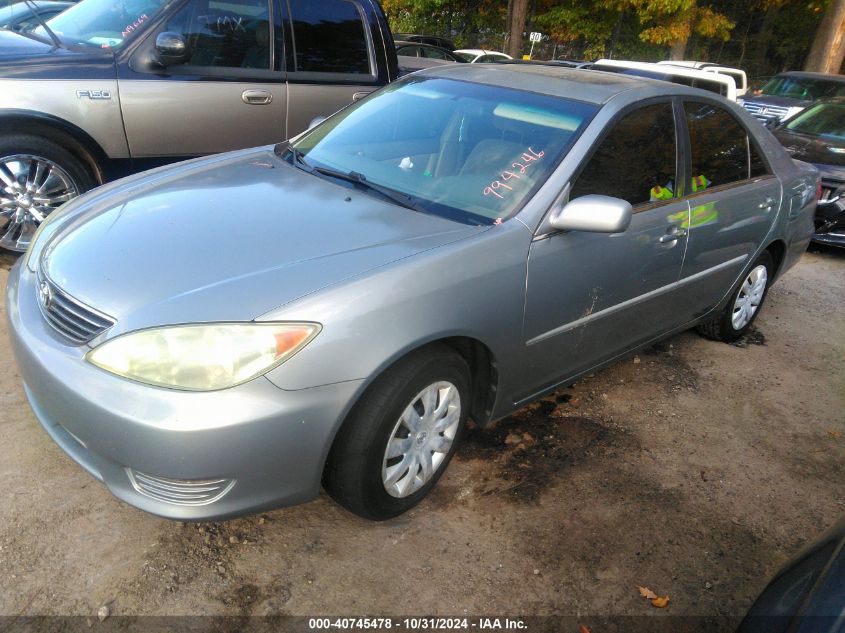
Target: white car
x,y
713,82
739,76
481,56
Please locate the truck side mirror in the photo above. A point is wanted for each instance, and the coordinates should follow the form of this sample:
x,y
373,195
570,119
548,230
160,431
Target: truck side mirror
x,y
171,48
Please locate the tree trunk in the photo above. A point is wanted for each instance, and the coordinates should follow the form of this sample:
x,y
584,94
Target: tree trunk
x,y
679,49
517,12
828,48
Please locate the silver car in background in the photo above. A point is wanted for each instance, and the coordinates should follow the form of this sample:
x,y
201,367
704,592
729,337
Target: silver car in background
x,y
222,336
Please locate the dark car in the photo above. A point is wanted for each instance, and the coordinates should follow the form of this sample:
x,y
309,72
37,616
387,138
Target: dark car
x,y
808,594
426,51
817,136
786,94
431,40
23,16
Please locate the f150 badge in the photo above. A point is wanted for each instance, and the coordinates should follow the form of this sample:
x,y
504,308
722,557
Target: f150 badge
x,y
94,95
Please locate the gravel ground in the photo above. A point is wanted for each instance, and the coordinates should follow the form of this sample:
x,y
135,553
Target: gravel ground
x,y
694,468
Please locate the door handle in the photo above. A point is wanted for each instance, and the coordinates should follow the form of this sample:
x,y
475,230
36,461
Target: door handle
x,y
673,234
257,97
360,95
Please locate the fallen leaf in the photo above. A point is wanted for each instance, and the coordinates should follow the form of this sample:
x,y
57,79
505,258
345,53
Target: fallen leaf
x,y
834,434
661,603
585,629
645,592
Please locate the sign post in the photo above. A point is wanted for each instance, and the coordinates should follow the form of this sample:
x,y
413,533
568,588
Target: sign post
x,y
535,37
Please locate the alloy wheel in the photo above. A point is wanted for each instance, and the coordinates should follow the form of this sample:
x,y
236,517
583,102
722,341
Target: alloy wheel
x,y
31,188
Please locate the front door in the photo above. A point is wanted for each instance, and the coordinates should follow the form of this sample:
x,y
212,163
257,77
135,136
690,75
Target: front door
x,y
229,94
591,296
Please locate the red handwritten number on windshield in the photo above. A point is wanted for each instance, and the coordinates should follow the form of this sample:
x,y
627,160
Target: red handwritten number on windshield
x,y
527,158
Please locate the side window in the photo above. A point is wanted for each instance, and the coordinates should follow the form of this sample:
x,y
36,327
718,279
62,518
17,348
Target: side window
x,y
225,34
636,160
433,53
721,151
330,37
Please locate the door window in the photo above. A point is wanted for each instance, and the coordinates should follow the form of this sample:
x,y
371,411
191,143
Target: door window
x,y
636,160
225,33
330,37
721,151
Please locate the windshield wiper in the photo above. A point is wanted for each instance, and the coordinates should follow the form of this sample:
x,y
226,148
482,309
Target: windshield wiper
x,y
356,178
34,8
359,179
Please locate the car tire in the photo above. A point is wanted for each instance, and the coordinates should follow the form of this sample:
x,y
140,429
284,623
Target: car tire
x,y
29,164
734,320
410,420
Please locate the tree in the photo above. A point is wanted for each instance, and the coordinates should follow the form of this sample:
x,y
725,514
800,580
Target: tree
x,y
517,14
675,20
828,49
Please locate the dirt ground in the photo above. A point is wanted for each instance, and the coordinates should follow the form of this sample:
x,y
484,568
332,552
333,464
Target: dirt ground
x,y
694,468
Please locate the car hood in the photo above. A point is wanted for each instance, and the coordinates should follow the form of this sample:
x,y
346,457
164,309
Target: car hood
x,y
227,238
28,58
812,149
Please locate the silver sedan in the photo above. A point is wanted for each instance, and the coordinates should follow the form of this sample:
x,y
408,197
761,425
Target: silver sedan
x,y
225,335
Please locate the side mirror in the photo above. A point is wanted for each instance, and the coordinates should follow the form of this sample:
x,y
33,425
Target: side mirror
x,y
171,48
593,214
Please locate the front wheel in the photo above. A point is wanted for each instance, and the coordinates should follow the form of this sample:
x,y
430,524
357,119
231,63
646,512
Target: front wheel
x,y
37,176
736,318
399,438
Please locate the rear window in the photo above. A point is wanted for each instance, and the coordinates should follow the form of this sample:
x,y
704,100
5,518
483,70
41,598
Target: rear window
x,y
330,37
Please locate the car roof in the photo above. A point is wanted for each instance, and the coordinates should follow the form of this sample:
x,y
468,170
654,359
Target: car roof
x,y
571,83
479,51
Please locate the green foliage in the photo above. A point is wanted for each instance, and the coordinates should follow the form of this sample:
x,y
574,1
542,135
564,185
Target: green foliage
x,y
765,35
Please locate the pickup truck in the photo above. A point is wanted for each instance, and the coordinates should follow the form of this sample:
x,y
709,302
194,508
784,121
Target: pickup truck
x,y
110,88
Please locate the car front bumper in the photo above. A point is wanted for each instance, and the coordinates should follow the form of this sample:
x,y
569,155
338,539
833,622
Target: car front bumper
x,y
179,455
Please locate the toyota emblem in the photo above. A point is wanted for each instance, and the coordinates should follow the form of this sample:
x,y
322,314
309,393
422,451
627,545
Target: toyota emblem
x,y
45,295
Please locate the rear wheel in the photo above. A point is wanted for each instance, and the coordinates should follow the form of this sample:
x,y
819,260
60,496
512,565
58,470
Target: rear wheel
x,y
37,176
399,438
737,316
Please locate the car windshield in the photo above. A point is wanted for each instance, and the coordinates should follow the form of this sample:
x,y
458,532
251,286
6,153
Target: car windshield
x,y
102,23
466,56
823,119
474,153
803,88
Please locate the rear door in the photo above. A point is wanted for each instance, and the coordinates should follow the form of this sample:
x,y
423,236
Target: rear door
x,y
229,94
734,199
333,58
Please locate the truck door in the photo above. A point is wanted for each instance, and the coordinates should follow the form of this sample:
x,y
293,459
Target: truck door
x,y
230,93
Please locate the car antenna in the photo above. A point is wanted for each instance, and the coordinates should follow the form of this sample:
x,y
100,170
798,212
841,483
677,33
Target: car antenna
x,y
34,7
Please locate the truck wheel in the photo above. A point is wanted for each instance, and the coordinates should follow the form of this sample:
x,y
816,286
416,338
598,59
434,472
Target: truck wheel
x,y
37,176
737,316
399,438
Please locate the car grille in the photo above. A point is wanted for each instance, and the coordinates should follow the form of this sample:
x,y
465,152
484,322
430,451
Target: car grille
x,y
185,492
69,317
765,112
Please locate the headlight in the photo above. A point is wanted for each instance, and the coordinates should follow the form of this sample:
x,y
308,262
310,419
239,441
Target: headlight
x,y
202,357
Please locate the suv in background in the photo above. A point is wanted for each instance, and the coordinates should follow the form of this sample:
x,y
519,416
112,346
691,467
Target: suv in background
x,y
712,82
109,89
738,75
786,94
